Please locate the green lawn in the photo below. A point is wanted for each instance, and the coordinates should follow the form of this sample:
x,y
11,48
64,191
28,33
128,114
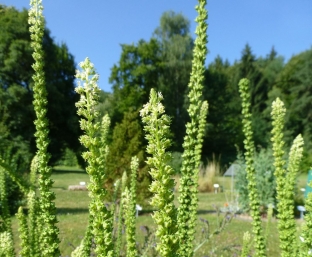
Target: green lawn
x,y
72,209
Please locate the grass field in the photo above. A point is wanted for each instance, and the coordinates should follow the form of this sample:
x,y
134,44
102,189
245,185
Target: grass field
x,y
72,209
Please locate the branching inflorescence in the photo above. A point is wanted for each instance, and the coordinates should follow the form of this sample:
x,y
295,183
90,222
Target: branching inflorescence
x,y
285,180
95,157
156,126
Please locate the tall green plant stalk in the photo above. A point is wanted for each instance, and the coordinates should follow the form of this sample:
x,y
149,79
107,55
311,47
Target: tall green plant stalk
x,y
307,227
94,156
33,224
131,211
23,233
6,237
117,186
6,244
250,170
33,210
120,215
156,126
49,233
193,140
269,223
285,180
246,245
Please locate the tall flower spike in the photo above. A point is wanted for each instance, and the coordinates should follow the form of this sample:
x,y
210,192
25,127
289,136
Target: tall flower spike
x,y
6,244
124,195
23,233
131,210
156,126
285,180
101,218
307,226
193,140
250,170
49,241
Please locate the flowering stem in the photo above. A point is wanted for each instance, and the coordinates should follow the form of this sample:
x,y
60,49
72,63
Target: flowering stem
x,y
95,156
156,126
131,211
250,170
285,180
49,233
192,145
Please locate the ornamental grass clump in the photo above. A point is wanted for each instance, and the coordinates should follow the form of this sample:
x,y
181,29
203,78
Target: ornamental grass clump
x,y
250,170
187,213
285,180
101,217
156,126
49,241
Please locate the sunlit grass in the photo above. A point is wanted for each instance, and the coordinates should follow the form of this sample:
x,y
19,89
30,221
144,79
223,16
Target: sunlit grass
x,y
72,210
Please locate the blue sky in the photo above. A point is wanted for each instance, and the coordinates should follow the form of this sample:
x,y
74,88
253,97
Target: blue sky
x,y
96,28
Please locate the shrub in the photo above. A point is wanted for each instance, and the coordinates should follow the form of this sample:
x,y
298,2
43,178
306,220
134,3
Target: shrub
x,y
127,138
69,158
176,162
266,186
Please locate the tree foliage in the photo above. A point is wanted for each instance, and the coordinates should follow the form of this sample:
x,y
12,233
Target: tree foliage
x,y
176,50
127,142
16,85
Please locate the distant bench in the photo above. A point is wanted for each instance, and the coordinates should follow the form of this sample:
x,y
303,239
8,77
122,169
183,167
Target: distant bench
x,y
81,187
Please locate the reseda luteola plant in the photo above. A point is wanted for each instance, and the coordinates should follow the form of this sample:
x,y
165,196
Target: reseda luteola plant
x,y
306,246
187,213
6,234
101,217
175,227
130,210
118,241
156,126
285,181
250,170
49,241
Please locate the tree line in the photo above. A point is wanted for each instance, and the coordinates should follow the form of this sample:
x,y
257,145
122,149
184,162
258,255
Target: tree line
x,y
164,63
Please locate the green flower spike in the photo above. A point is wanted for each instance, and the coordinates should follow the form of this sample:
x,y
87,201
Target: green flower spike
x,y
49,241
156,126
307,227
6,244
23,233
118,243
95,156
131,210
187,214
250,170
285,180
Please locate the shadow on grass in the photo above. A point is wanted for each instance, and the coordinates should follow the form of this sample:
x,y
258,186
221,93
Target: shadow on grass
x,y
65,170
200,212
65,211
62,188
